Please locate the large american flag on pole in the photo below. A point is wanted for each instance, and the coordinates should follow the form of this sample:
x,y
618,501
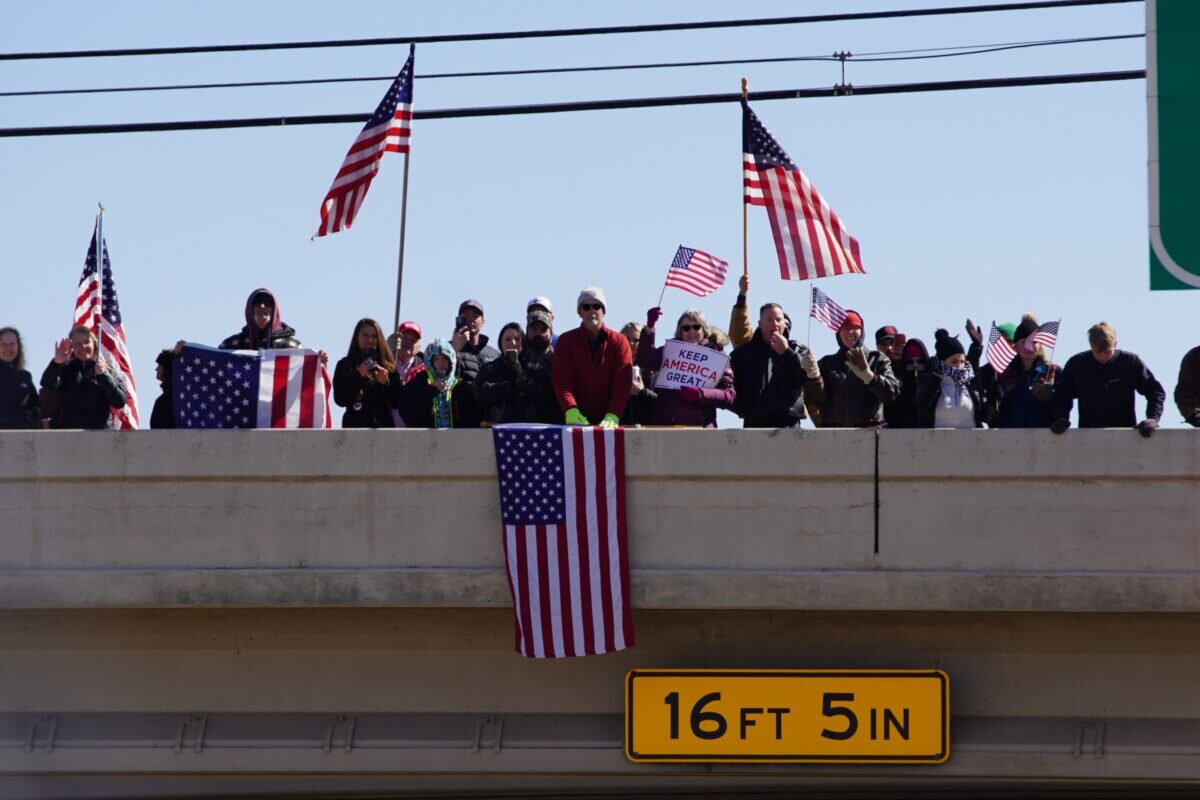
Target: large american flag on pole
x,y
250,389
696,271
826,311
1000,351
97,309
562,500
387,131
809,237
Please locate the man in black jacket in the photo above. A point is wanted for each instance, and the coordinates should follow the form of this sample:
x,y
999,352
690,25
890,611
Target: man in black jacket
x,y
473,352
1187,389
773,376
264,328
1104,379
857,381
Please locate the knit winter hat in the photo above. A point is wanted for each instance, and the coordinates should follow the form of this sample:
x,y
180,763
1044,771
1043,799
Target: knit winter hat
x,y
946,345
592,294
1009,330
1028,325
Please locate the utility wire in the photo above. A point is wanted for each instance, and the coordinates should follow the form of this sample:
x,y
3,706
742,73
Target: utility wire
x,y
592,105
885,55
559,32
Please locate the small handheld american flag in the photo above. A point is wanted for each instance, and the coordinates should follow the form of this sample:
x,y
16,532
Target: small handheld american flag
x,y
387,131
826,311
1046,335
1000,351
696,271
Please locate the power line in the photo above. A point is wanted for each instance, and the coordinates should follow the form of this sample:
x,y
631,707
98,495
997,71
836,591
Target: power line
x,y
886,55
591,105
559,32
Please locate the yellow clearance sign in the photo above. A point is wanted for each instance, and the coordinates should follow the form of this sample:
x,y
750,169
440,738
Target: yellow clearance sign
x,y
814,716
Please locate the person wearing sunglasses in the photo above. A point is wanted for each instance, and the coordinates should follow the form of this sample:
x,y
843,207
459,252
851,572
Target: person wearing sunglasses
x,y
593,367
690,405
264,328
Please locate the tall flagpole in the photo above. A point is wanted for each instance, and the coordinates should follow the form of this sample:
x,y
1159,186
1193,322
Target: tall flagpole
x,y
92,323
400,260
745,249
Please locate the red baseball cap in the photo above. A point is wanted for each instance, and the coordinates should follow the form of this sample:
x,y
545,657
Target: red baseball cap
x,y
409,325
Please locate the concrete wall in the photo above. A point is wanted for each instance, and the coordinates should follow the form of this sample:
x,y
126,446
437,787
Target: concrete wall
x,y
917,520
208,612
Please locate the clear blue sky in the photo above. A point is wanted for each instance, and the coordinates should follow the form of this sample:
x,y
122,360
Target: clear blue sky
x,y
976,204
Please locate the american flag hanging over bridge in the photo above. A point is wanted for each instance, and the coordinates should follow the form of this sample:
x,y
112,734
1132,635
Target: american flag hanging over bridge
x,y
562,500
809,237
249,389
387,131
97,309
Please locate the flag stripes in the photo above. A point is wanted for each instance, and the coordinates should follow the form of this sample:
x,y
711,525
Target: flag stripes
x,y
1000,351
826,311
696,272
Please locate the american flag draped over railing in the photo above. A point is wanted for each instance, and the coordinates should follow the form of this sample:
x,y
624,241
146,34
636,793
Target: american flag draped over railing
x,y
562,501
810,239
388,130
826,311
97,309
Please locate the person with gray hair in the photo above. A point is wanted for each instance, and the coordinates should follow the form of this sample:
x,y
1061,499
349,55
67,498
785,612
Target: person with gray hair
x,y
593,367
690,405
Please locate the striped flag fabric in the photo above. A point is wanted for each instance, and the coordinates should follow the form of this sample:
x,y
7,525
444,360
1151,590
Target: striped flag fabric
x,y
826,311
250,388
696,271
97,309
562,500
1000,351
387,131
810,240
1046,335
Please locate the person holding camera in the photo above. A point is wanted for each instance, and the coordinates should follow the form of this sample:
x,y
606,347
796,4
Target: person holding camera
x,y
473,351
365,382
516,387
85,387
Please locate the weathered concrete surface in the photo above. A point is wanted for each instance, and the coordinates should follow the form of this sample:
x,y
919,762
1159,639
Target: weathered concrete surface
x,y
1101,520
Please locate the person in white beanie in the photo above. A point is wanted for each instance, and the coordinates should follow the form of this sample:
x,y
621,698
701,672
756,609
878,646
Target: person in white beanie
x,y
593,367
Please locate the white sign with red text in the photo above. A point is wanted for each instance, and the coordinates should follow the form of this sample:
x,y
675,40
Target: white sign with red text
x,y
686,364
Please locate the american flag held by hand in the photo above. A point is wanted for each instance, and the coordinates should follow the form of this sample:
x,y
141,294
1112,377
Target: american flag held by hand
x,y
1000,351
826,311
696,272
388,130
809,237
97,309
1046,335
250,389
562,501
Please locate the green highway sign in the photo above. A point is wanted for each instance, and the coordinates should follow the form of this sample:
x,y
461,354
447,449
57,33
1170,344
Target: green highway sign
x,y
1173,101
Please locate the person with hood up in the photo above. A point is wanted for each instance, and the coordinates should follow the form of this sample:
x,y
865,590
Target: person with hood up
x,y
642,393
85,386
1187,389
857,381
689,405
914,371
774,377
953,398
516,387
18,394
1022,393
593,366
162,416
432,398
264,328
365,382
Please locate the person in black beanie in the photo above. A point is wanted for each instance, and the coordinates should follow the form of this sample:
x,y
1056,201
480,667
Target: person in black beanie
x,y
953,399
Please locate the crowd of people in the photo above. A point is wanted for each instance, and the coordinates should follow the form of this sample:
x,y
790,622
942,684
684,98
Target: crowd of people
x,y
592,374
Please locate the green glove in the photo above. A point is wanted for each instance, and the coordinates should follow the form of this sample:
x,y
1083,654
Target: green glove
x,y
575,418
610,421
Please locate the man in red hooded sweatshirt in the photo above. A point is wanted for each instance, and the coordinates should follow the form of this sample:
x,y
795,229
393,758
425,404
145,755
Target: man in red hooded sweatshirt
x,y
592,369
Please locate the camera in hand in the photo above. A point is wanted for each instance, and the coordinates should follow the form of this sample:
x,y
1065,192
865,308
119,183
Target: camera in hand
x,y
370,358
460,322
513,356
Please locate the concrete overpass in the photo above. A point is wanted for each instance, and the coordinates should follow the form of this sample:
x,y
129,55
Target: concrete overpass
x,y
271,612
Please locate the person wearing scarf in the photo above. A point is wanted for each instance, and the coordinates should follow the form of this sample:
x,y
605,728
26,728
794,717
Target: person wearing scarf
x,y
428,400
954,399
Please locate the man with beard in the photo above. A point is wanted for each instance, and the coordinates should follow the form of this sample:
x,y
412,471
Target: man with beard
x,y
516,387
